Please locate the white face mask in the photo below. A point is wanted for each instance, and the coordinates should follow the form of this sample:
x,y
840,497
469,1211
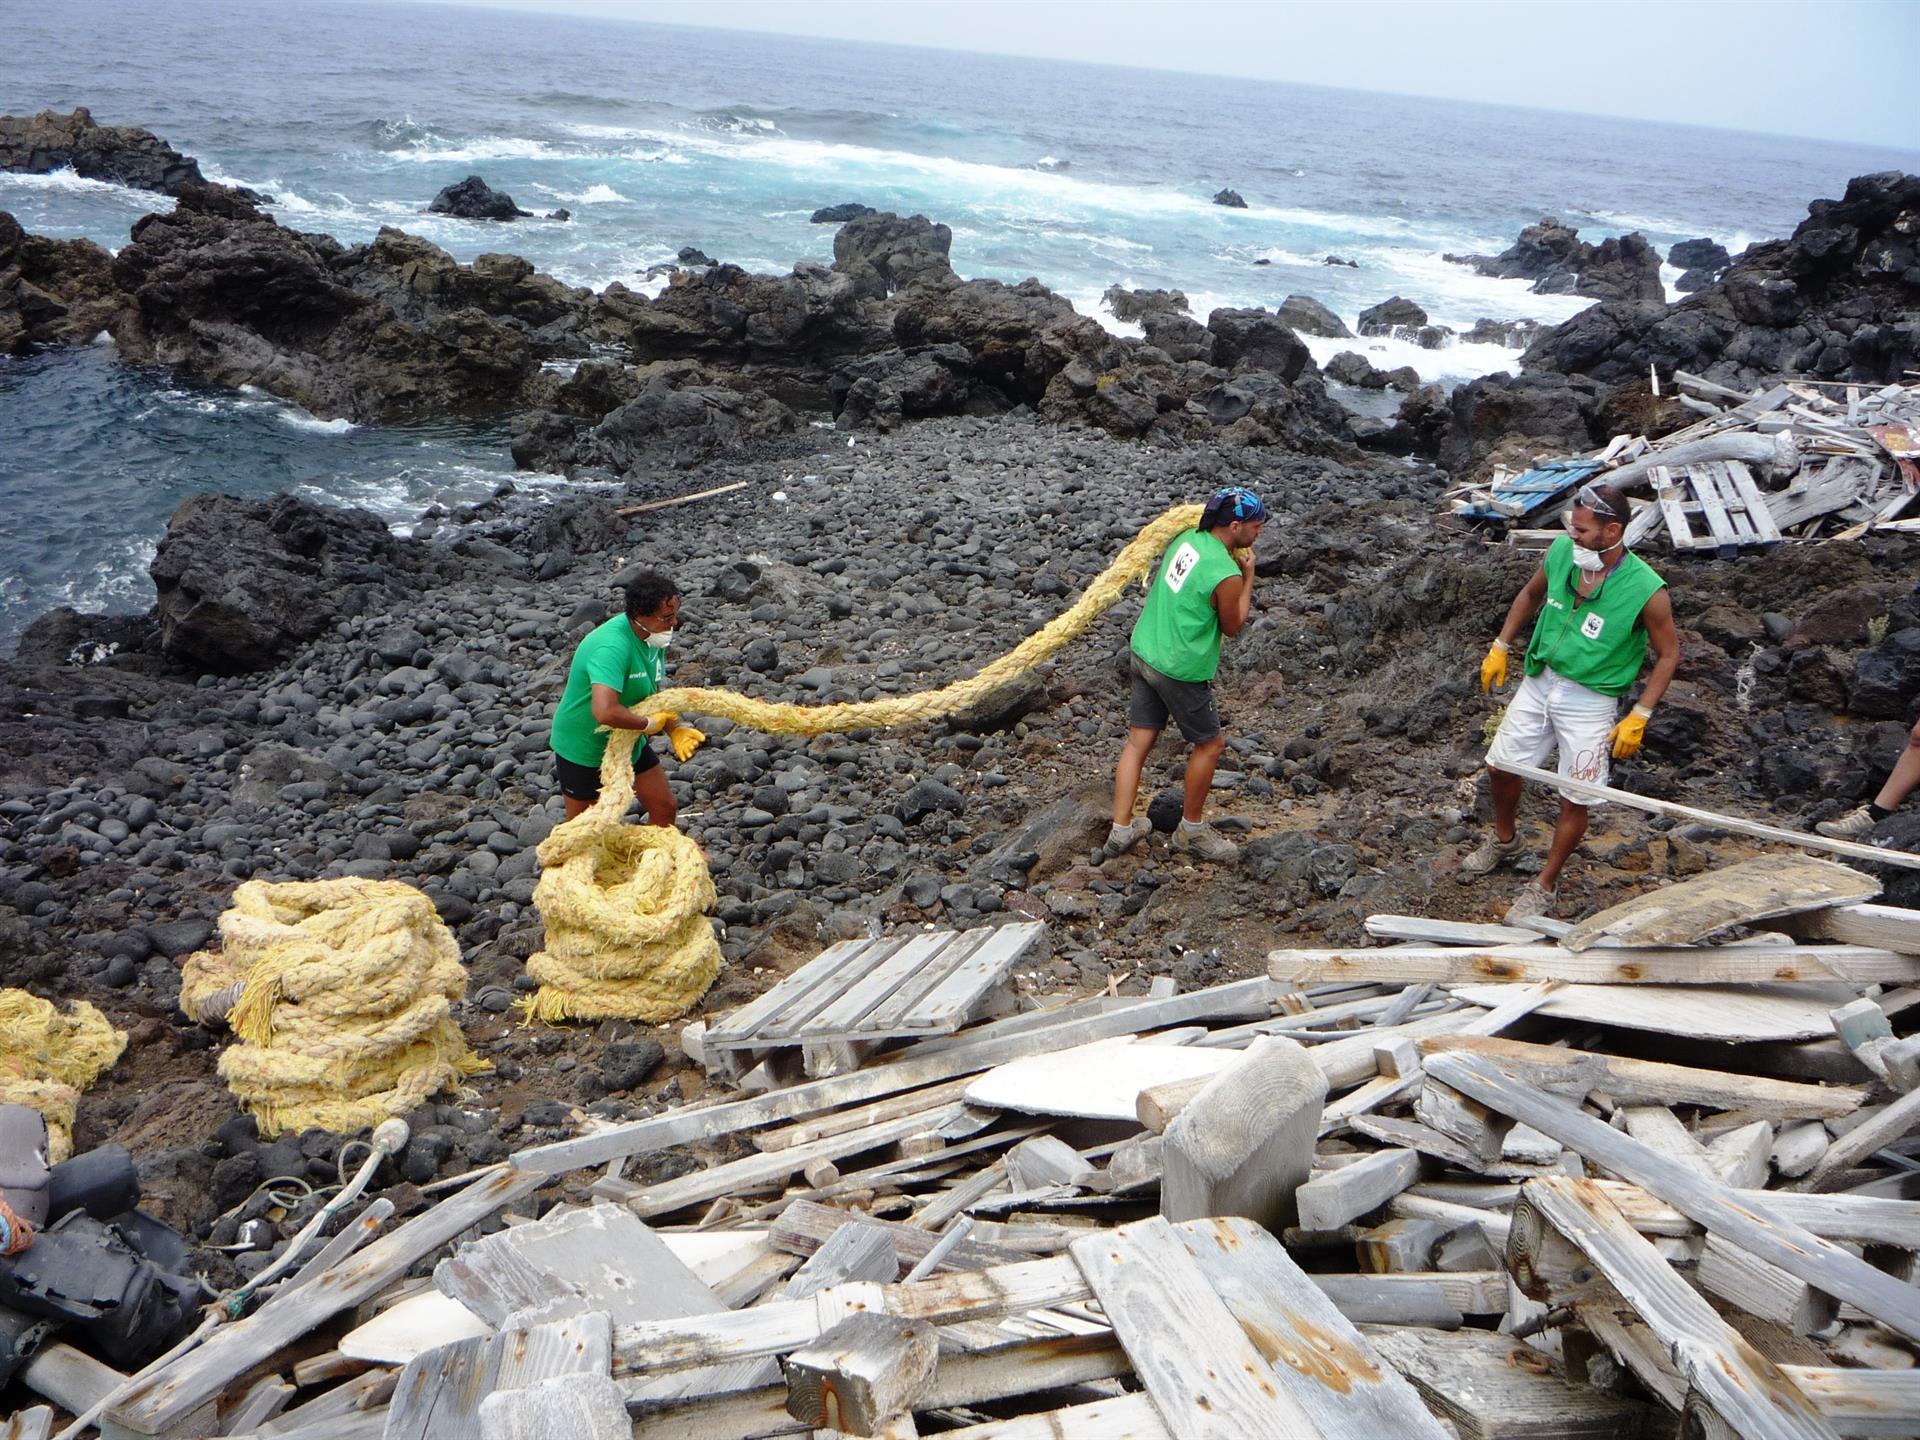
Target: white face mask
x,y
661,640
1588,560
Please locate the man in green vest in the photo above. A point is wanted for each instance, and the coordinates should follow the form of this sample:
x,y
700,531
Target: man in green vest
x,y
618,664
1200,593
1600,608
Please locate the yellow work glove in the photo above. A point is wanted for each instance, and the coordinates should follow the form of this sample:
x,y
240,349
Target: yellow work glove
x,y
1493,669
685,740
1630,732
661,723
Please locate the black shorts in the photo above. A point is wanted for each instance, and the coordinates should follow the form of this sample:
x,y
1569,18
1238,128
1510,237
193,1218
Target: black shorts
x,y
1188,702
582,782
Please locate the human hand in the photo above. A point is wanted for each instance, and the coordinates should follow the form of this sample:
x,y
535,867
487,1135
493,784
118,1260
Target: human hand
x,y
685,740
1630,733
661,723
1493,669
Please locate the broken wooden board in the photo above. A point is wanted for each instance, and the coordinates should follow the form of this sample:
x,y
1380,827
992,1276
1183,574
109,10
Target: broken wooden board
x,y
1244,1144
926,983
1691,910
1651,965
1492,1387
417,1324
1706,1012
1101,1081
439,1393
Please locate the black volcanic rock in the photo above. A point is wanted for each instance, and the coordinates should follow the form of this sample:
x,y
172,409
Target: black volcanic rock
x,y
52,291
1309,317
123,154
1702,254
840,214
241,582
1559,262
474,199
1231,199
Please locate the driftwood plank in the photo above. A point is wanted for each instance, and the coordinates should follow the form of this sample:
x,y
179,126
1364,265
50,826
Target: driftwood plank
x,y
572,1407
1652,965
1746,1391
1652,1082
1205,1376
1317,1357
1244,1144
1472,1378
1746,1012
1690,910
923,1065
1736,1215
865,1371
439,1393
1890,927
1333,1197
200,1375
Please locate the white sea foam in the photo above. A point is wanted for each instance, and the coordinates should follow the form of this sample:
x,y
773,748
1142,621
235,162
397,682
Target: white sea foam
x,y
301,420
592,195
1093,304
66,180
483,147
1448,365
1454,295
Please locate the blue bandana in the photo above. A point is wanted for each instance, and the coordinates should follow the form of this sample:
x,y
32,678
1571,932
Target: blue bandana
x,y
1236,502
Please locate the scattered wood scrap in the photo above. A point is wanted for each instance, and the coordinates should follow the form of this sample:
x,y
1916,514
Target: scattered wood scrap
x,y
1476,1182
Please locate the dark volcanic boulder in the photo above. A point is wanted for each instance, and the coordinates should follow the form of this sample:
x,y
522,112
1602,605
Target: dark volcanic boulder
x,y
474,199
882,253
1260,339
879,391
1886,679
1351,368
1700,254
1622,267
1231,199
52,291
682,416
1391,316
1308,316
690,256
1137,305
222,291
1515,334
1528,412
123,154
840,214
241,582
1018,336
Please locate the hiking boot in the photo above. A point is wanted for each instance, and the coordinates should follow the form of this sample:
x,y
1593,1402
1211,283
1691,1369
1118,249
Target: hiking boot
x,y
1854,825
1203,842
1533,902
1121,839
1489,855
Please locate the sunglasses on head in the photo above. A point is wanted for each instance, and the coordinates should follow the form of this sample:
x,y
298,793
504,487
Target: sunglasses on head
x,y
1589,497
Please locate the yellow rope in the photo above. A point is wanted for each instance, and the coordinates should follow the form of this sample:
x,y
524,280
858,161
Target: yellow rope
x,y
625,905
47,1059
344,1008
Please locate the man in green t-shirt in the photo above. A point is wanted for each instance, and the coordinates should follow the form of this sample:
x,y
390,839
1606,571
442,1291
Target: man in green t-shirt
x,y
1600,609
618,664
1200,593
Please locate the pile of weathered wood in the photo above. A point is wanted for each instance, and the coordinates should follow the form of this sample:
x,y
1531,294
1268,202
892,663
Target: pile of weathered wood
x,y
1471,1180
1803,459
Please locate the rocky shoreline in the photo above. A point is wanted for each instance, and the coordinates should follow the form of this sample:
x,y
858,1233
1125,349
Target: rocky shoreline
x,y
312,696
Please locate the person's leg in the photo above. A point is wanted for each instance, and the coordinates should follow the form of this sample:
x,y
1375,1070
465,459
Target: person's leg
x,y
1506,802
1905,776
576,807
1126,774
651,788
1568,831
1200,767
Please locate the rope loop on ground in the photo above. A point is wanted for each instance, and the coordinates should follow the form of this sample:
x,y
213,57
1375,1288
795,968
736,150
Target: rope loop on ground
x,y
47,1059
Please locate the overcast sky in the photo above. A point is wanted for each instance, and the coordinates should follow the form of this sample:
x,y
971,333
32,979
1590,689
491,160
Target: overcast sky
x,y
1835,69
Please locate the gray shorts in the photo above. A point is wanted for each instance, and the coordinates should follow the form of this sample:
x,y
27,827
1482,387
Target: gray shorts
x,y
1188,702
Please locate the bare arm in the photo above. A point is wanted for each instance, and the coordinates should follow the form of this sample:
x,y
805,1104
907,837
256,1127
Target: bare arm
x,y
1657,614
1525,606
608,710
1233,599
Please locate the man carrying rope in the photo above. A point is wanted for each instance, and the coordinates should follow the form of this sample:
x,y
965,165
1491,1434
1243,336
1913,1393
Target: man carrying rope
x,y
1200,593
1600,608
618,664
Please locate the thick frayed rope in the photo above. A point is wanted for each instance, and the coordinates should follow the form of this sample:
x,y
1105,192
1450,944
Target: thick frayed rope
x,y
344,997
627,935
47,1059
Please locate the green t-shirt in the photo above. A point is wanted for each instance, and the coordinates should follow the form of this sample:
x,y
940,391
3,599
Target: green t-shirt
x,y
1599,642
610,655
1178,632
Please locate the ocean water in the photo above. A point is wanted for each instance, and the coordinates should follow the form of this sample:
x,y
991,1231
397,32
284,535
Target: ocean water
x,y
353,115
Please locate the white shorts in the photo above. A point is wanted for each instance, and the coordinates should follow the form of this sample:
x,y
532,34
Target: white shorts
x,y
1550,712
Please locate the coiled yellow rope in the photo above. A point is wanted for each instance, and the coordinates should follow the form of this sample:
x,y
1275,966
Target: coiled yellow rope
x,y
345,990
624,905
47,1059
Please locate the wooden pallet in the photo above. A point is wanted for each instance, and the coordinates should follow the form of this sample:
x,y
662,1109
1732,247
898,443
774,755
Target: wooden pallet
x,y
863,991
1713,505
